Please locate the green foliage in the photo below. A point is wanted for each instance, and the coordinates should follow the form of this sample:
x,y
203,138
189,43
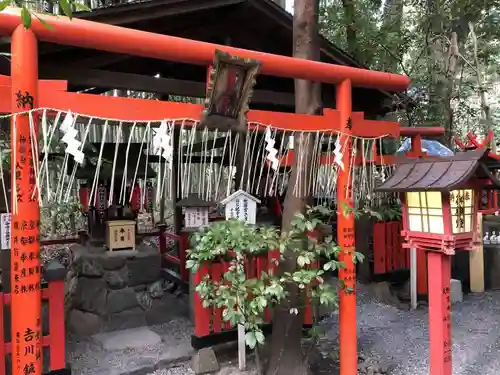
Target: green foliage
x,y
413,38
242,298
61,220
387,211
66,7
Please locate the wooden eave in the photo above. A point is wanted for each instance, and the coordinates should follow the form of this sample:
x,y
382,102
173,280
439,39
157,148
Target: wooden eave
x,y
441,174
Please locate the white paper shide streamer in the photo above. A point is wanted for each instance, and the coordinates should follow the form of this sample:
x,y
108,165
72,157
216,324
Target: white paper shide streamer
x,y
272,151
70,134
337,152
162,142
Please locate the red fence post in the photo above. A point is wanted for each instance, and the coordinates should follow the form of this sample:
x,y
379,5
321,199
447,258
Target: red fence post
x,y
2,337
55,274
201,314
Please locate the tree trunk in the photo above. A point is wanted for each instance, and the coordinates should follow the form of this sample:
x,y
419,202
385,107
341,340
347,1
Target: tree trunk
x,y
351,30
391,30
451,64
286,350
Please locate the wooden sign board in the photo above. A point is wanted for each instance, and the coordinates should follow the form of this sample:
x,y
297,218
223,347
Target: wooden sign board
x,y
195,217
241,206
5,225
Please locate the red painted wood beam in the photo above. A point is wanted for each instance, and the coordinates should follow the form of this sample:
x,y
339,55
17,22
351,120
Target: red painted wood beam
x,y
93,35
424,132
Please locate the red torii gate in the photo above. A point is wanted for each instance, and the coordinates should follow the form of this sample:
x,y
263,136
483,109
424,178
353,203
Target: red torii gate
x,y
51,94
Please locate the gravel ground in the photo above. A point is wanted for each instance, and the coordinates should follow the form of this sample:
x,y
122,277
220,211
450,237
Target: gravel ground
x,y
179,370
388,334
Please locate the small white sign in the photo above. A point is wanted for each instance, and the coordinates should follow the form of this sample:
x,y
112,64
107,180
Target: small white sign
x,y
195,217
5,227
241,206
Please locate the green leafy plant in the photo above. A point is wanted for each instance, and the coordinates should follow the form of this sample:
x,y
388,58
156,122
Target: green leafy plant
x,y
387,211
67,7
243,297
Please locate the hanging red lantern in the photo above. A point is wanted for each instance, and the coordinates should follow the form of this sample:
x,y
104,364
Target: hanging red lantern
x,y
136,198
83,194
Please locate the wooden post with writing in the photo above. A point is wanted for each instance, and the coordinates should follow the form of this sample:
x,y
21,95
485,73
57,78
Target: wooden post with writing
x,y
26,301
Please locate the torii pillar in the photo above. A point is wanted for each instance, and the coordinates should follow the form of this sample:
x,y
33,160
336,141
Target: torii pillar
x,y
26,299
346,238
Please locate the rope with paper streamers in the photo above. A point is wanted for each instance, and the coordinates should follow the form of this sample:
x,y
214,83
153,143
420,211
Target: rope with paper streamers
x,y
204,161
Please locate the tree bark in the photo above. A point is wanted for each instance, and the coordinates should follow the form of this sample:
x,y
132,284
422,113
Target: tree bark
x,y
351,30
286,349
391,30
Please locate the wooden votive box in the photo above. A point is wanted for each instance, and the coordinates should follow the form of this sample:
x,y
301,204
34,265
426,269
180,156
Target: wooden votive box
x,y
120,234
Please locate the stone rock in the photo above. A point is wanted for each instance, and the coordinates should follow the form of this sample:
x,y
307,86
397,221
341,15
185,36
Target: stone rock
x,y
204,361
175,354
117,279
90,295
93,264
87,265
405,292
113,260
156,289
456,291
170,287
382,292
133,338
70,285
84,323
127,319
234,370
362,367
139,365
120,300
140,287
144,300
386,367
144,268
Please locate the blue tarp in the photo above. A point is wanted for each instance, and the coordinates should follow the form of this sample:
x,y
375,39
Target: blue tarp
x,y
431,147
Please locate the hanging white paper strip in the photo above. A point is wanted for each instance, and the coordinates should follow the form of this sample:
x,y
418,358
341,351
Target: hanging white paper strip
x,y
70,134
338,154
272,151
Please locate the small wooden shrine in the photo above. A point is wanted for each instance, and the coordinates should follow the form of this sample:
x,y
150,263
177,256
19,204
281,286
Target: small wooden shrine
x,y
105,213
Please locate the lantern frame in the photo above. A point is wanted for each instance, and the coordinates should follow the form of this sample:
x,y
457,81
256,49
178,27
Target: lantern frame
x,y
447,240
467,171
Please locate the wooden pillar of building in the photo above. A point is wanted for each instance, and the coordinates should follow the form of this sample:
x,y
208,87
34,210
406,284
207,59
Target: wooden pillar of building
x,y
26,299
346,239
476,261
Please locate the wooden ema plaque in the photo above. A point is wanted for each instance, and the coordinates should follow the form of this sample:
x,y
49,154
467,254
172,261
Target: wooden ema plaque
x,y
120,234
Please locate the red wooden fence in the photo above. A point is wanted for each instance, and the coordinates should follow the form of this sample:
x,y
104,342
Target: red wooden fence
x,y
56,338
388,252
208,321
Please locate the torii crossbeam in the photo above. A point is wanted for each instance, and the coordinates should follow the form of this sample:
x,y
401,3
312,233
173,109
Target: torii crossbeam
x,y
85,34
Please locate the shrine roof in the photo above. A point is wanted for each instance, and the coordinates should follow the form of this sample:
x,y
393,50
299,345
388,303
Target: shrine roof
x,y
193,200
229,22
237,194
441,174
